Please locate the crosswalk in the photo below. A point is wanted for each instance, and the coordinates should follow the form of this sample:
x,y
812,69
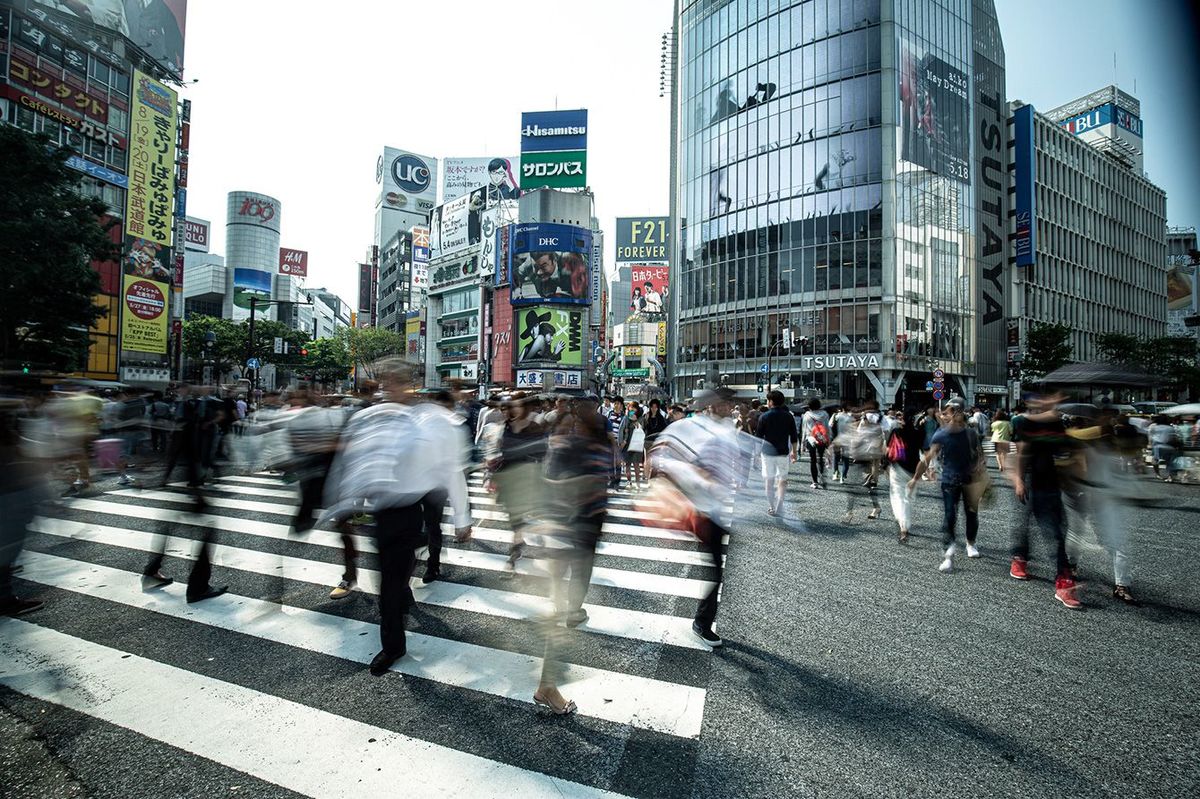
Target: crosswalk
x,y
634,668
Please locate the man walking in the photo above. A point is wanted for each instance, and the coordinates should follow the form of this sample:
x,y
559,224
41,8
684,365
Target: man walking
x,y
957,443
777,429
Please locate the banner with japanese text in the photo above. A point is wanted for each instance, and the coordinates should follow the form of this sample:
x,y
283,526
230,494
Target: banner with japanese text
x,y
144,316
151,195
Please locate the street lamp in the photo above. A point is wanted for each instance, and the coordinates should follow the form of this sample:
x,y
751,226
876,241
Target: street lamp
x,y
210,340
254,303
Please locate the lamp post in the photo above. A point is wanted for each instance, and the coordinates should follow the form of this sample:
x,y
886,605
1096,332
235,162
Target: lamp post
x,y
210,340
254,303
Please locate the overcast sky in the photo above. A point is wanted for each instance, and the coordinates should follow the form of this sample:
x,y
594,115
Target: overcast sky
x,y
298,103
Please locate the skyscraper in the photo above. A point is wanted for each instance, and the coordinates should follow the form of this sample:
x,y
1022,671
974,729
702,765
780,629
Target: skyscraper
x,y
841,203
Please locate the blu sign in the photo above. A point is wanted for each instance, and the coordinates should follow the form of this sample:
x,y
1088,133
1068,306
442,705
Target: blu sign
x,y
1026,208
549,131
1100,116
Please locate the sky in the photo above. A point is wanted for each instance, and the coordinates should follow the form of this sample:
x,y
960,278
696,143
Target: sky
x,y
299,105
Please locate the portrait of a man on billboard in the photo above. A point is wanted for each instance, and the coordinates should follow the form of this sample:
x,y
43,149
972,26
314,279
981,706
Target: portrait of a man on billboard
x,y
549,275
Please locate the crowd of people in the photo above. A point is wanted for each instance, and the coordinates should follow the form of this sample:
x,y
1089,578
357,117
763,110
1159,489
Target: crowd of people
x,y
390,459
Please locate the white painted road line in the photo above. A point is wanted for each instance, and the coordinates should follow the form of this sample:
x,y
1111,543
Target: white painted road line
x,y
603,620
613,696
148,698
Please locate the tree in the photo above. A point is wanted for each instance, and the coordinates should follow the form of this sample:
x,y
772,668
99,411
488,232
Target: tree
x,y
367,345
230,348
1121,348
328,360
49,234
1046,349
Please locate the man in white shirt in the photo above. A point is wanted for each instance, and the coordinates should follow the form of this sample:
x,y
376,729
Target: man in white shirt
x,y
395,458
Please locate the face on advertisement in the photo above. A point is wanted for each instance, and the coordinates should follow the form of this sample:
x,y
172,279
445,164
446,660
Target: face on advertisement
x,y
545,263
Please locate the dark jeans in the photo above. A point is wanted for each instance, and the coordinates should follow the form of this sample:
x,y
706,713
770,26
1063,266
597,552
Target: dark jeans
x,y
17,509
398,534
433,509
350,575
841,459
952,494
201,574
1046,507
816,460
312,489
711,534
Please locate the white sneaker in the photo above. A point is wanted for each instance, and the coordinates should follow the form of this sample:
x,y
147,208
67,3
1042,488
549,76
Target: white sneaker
x,y
947,564
973,552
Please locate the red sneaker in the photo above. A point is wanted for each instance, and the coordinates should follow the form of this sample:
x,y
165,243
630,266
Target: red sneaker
x,y
1018,571
1064,592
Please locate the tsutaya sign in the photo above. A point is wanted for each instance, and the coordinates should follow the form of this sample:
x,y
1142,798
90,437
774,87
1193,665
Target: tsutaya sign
x,y
815,363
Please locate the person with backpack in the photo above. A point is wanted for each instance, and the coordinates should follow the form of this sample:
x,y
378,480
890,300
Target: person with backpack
x,y
903,456
816,436
956,443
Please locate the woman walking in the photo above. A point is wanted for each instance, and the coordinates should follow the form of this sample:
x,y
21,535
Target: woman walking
x,y
518,475
1001,439
633,446
903,454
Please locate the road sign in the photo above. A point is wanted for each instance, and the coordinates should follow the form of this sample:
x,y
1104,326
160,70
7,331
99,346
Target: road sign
x,y
939,394
929,385
253,363
764,368
939,374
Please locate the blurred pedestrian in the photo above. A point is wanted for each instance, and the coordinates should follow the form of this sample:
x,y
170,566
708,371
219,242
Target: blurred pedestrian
x,y
957,447
1164,444
22,490
1001,429
518,472
777,429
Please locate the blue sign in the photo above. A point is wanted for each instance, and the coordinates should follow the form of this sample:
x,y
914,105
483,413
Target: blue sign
x,y
764,368
253,363
939,394
97,171
548,131
420,255
411,173
180,203
1026,173
1107,114
549,263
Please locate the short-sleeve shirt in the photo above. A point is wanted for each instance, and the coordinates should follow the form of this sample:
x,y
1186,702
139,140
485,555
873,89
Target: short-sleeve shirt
x,y
958,454
777,429
1045,444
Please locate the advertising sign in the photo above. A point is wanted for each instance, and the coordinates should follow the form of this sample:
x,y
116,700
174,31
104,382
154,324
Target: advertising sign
x,y
566,169
934,114
462,175
407,181
1107,114
195,234
457,225
249,283
660,345
529,378
487,238
156,27
550,335
82,125
54,87
366,294
502,337
246,208
420,257
597,277
293,262
568,380
144,316
642,239
414,333
1026,173
550,264
545,131
649,289
503,253
151,191
97,171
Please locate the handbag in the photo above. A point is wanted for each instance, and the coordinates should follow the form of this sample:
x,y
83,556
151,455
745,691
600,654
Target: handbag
x,y
896,451
637,440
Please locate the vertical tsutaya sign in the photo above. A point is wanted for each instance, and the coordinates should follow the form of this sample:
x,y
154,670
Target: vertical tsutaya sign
x,y
642,239
991,194
150,198
554,149
1026,175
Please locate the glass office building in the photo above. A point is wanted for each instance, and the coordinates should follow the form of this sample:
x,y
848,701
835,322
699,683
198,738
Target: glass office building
x,y
840,180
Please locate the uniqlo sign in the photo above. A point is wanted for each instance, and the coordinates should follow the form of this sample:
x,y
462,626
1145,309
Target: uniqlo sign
x,y
293,262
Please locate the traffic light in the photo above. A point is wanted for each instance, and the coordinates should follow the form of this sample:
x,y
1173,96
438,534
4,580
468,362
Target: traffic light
x,y
304,352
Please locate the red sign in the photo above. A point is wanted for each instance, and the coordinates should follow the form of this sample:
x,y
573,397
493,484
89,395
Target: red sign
x,y
293,262
650,288
502,333
178,278
252,206
145,300
84,126
56,89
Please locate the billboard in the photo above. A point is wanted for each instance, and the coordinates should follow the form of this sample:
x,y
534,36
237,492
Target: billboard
x,y
366,294
642,239
144,315
547,131
1107,114
248,208
157,27
150,198
462,175
502,337
503,253
293,262
649,288
549,263
414,334
550,335
457,225
1026,175
407,181
195,234
934,114
250,283
565,169
487,237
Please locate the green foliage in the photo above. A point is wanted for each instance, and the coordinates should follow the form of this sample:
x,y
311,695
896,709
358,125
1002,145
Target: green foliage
x,y
328,360
230,348
48,235
366,345
1046,349
1173,358
1119,348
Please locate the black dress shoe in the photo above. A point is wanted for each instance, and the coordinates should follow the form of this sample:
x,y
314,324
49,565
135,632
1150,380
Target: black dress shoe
x,y
430,576
19,607
207,593
382,663
157,580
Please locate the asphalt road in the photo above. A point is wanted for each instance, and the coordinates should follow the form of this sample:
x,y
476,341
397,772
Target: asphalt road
x,y
852,667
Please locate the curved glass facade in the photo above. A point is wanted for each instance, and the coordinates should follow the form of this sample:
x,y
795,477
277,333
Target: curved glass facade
x,y
824,186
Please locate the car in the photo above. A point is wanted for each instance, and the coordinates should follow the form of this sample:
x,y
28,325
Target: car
x,y
1151,408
